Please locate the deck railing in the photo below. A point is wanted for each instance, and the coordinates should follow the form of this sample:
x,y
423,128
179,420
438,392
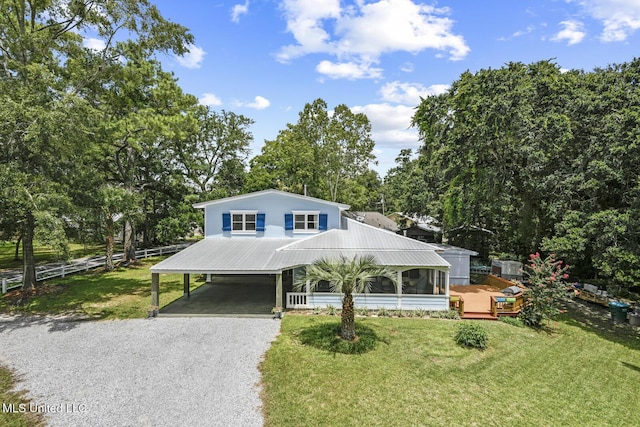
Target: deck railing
x,y
506,306
456,302
61,270
296,300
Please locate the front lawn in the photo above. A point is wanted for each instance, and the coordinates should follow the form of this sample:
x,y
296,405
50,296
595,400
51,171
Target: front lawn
x,y
123,293
571,375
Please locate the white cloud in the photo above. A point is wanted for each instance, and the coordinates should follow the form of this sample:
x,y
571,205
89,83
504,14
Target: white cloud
x,y
348,70
193,58
362,33
209,99
239,10
94,44
259,103
409,93
620,18
573,32
390,124
407,67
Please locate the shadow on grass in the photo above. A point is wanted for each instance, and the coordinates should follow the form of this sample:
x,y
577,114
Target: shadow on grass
x,y
326,336
123,294
596,319
630,366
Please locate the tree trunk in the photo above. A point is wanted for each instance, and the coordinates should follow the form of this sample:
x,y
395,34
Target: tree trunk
x,y
108,261
28,258
129,242
348,331
16,255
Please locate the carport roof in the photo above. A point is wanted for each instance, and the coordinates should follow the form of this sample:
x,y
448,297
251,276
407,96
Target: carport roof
x,y
235,255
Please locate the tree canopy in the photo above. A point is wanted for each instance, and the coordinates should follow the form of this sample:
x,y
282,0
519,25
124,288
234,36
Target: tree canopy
x,y
544,158
327,153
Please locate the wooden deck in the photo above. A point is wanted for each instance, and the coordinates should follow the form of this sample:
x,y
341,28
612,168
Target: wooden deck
x,y
478,301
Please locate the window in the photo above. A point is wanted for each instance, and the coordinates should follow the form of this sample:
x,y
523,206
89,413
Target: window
x,y
245,222
305,221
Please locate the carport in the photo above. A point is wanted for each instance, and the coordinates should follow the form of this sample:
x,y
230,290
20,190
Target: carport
x,y
240,280
227,295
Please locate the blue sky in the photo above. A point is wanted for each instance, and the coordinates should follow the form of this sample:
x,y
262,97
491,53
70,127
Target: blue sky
x,y
266,58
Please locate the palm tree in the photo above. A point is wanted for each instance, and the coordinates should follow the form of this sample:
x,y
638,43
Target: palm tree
x,y
346,276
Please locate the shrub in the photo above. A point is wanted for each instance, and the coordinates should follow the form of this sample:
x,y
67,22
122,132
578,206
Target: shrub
x,y
547,289
446,314
362,311
331,310
472,335
383,312
419,312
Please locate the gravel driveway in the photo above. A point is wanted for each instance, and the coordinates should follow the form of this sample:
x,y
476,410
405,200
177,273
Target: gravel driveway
x,y
144,372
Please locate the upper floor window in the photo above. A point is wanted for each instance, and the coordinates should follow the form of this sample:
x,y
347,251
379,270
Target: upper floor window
x,y
305,221
243,221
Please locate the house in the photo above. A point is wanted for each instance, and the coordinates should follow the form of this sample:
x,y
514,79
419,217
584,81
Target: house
x,y
375,219
274,234
422,228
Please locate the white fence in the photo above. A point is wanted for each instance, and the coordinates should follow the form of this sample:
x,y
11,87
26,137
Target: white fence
x,y
61,270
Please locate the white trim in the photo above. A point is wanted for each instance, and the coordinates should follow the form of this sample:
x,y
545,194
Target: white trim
x,y
244,214
306,229
341,206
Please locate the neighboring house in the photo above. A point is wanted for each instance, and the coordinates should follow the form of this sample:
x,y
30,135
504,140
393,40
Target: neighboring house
x,y
420,228
423,228
375,219
277,234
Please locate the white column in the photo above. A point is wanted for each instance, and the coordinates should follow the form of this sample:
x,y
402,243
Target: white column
x,y
399,288
155,289
446,282
279,290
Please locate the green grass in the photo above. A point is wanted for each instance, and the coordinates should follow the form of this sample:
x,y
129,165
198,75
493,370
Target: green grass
x,y
44,254
571,375
8,396
124,293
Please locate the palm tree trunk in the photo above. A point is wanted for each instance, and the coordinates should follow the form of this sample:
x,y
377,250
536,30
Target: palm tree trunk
x,y
348,331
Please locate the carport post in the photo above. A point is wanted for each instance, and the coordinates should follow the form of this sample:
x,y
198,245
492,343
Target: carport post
x,y
155,289
187,291
279,290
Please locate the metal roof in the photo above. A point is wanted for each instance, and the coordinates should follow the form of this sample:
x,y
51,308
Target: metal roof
x,y
454,249
256,193
228,255
295,258
360,236
221,255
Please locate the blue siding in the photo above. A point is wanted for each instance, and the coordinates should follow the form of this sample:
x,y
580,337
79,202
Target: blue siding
x,y
274,207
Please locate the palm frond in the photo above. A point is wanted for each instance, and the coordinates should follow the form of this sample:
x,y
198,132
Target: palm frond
x,y
345,275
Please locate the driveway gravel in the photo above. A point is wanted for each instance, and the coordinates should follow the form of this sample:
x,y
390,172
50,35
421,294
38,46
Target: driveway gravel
x,y
143,372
